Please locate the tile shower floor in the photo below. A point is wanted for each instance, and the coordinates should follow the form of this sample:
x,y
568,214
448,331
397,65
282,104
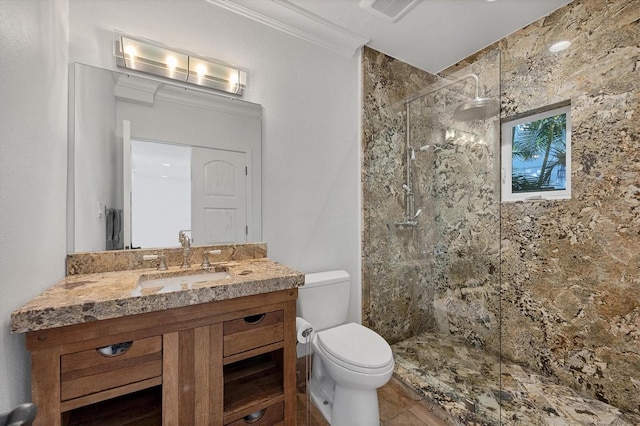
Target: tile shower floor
x,y
464,381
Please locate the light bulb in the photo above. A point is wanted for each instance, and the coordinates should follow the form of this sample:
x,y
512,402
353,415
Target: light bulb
x,y
130,50
201,70
233,79
172,62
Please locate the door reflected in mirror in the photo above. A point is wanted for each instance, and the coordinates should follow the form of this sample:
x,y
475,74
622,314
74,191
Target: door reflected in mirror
x,y
201,189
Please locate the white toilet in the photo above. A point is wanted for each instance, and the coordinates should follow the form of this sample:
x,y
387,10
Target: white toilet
x,y
350,361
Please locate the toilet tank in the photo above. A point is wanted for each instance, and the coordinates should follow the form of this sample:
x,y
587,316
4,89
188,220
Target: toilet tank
x,y
323,301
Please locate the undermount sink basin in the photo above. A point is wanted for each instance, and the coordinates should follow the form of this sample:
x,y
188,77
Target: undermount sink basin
x,y
184,279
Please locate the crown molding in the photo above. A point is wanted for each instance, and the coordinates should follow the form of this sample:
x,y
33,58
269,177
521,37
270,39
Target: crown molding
x,y
209,101
144,91
298,22
135,89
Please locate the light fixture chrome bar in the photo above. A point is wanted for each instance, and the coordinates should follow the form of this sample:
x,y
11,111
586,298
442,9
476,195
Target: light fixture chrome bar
x,y
138,54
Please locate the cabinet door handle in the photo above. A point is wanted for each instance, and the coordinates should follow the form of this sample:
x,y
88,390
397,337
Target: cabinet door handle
x,y
254,319
254,417
116,349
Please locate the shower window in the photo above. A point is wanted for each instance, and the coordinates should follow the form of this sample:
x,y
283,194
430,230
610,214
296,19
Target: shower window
x,y
536,155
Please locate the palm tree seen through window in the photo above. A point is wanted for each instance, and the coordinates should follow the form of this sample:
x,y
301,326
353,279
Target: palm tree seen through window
x,y
536,155
539,155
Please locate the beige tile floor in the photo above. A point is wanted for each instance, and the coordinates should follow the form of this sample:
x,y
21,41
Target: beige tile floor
x,y
399,406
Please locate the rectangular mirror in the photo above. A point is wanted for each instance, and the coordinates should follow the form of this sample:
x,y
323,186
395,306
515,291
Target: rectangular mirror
x,y
222,136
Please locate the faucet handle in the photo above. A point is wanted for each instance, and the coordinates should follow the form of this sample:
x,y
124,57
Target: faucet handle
x,y
205,261
162,265
205,258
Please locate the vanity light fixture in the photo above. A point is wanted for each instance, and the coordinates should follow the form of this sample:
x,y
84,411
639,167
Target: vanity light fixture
x,y
134,53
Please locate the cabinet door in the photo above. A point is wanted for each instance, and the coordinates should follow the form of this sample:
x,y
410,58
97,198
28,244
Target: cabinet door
x,y
192,377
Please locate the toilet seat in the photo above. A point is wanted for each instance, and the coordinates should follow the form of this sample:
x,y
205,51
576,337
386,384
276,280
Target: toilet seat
x,y
356,348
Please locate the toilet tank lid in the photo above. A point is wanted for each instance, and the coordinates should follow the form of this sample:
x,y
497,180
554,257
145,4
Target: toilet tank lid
x,y
317,279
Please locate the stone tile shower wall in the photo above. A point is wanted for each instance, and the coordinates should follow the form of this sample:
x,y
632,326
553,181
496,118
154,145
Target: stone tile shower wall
x,y
443,274
394,287
570,270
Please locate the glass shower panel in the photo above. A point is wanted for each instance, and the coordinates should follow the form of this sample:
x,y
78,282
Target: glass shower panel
x,y
454,162
456,179
431,282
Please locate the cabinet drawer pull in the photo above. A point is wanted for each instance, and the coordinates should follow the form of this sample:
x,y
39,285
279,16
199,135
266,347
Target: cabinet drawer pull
x,y
116,349
254,417
254,319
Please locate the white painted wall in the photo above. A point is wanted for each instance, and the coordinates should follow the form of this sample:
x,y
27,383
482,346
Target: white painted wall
x,y
33,169
311,101
95,148
311,181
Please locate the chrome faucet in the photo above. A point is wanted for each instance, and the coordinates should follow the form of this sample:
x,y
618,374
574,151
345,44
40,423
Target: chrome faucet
x,y
185,242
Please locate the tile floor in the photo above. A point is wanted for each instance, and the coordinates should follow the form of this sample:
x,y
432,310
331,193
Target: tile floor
x,y
441,381
465,382
399,406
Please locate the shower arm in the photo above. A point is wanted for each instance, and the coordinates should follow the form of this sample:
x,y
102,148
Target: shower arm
x,y
419,95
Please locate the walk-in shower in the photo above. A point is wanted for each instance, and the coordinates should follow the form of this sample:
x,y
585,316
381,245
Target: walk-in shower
x,y
507,312
432,238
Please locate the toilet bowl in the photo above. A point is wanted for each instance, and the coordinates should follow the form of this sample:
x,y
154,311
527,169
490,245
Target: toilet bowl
x,y
350,361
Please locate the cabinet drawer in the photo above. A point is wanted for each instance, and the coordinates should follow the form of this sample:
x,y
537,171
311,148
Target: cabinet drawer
x,y
267,417
253,332
91,371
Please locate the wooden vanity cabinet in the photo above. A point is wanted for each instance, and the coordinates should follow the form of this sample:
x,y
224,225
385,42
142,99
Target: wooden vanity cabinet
x,y
228,362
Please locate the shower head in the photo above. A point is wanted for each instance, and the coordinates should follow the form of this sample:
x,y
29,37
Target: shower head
x,y
471,110
477,109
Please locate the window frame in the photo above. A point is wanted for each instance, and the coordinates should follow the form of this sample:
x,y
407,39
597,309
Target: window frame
x,y
507,154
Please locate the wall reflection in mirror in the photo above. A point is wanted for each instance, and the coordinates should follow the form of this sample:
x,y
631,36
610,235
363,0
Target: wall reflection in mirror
x,y
147,159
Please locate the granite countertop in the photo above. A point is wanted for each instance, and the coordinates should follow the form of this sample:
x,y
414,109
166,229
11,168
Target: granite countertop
x,y
89,297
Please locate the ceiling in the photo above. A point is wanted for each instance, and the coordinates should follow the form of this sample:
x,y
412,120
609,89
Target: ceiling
x,y
431,34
